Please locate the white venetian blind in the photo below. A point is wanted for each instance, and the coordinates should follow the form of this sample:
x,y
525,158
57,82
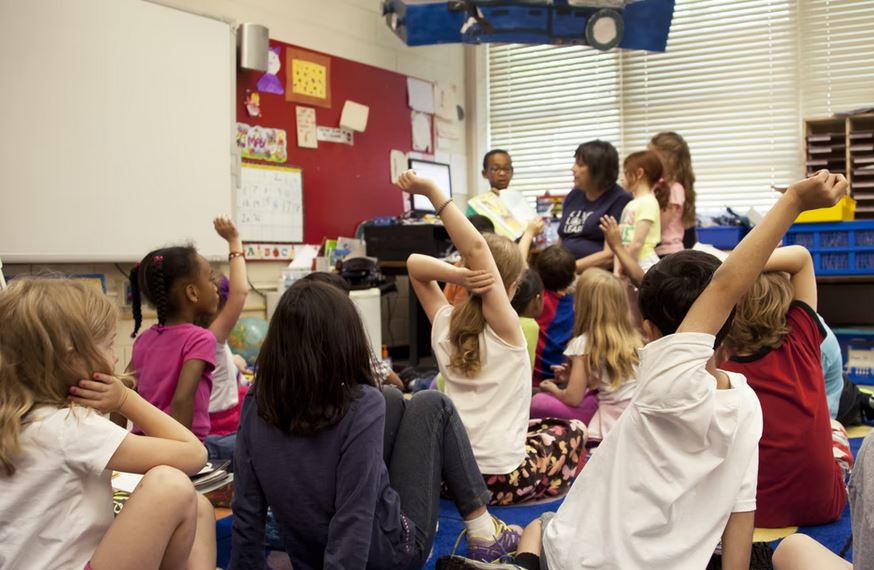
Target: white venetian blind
x,y
837,63
727,85
543,101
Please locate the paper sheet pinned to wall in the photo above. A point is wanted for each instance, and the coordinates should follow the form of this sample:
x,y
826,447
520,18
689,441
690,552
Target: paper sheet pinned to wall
x,y
420,95
354,116
306,127
446,101
421,132
398,164
331,134
447,129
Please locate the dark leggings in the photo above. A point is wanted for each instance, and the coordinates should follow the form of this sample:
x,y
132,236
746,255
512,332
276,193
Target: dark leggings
x,y
425,443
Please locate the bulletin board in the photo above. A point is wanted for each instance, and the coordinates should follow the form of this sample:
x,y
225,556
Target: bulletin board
x,y
343,184
270,204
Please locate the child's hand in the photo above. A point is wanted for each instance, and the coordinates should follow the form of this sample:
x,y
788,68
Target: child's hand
x,y
536,226
822,190
549,387
225,228
411,182
477,282
562,373
104,393
611,231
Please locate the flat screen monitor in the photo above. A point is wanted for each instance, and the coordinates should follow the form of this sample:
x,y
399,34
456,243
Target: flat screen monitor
x,y
436,171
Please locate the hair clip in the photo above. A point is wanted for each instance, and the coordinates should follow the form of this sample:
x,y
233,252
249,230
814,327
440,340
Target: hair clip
x,y
158,259
137,264
661,180
160,327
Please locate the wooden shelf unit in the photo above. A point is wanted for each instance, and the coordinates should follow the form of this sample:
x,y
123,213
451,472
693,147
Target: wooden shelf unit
x,y
845,145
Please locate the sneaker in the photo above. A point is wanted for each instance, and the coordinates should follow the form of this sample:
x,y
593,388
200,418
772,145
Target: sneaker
x,y
460,563
498,548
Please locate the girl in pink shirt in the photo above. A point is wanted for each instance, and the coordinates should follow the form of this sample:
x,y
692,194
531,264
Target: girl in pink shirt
x,y
677,196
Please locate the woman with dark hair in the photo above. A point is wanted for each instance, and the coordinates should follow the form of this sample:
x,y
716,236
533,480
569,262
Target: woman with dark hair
x,y
352,473
595,194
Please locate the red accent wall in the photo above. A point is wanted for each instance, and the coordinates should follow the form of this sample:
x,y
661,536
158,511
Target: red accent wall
x,y
343,185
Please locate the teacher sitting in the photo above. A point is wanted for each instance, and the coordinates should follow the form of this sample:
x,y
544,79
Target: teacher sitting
x,y
595,194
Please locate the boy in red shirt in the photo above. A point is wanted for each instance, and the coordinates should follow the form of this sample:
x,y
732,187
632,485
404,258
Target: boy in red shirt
x,y
775,342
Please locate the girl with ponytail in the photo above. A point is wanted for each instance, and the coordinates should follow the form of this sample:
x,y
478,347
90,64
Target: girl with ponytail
x,y
173,360
483,357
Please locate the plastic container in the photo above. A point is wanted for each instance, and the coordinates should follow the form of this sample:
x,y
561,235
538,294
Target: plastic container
x,y
838,248
722,237
844,210
857,351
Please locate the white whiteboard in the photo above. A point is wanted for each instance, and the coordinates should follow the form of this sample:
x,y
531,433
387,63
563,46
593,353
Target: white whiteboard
x,y
118,117
270,204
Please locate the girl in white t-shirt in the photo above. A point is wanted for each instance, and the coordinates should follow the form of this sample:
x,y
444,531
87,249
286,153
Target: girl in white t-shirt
x,y
603,356
58,449
483,357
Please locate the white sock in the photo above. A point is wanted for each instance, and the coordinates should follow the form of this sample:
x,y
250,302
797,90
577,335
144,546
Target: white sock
x,y
482,526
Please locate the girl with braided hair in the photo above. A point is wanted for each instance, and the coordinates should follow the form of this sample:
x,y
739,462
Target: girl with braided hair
x,y
173,360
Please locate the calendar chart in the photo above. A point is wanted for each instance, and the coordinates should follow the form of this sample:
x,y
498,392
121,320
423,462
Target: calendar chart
x,y
269,204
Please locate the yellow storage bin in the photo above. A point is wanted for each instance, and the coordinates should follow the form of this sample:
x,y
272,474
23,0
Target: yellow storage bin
x,y
844,210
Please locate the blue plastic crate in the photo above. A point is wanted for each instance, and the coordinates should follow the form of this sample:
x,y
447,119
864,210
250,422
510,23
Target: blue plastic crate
x,y
838,248
722,237
857,351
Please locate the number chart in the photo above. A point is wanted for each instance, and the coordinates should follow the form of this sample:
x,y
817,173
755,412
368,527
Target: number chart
x,y
270,204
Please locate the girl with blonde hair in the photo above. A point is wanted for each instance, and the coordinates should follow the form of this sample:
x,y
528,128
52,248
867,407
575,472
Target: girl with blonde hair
x,y
603,357
483,357
57,449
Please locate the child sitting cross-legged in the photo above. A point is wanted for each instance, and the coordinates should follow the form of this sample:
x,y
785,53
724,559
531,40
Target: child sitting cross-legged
x,y
775,342
483,357
603,357
678,472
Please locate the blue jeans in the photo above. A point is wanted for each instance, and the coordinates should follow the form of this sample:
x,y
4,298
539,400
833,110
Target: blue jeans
x,y
220,447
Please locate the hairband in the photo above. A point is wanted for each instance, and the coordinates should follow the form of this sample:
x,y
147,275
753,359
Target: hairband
x,y
158,259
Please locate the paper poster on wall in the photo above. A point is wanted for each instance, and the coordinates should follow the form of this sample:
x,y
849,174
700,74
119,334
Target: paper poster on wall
x,y
269,251
334,135
269,204
308,77
447,129
306,127
397,164
446,101
420,95
262,143
269,82
421,125
354,116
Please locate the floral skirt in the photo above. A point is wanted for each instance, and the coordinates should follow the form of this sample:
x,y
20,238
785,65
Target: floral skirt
x,y
555,454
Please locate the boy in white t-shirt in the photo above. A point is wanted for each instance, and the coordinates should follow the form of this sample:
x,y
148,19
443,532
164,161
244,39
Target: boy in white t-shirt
x,y
678,471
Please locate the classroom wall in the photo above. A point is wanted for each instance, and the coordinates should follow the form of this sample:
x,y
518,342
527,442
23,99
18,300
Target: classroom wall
x,y
351,29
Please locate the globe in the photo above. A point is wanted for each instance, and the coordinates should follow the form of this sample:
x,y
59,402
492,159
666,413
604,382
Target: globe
x,y
247,337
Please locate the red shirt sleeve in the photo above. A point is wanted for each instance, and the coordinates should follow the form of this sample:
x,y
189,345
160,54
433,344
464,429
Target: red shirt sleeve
x,y
805,324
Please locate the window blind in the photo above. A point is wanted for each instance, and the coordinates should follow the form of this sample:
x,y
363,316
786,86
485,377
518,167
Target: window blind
x,y
837,49
736,81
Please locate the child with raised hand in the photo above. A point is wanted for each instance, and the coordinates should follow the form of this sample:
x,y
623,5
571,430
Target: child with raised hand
x,y
173,360
351,473
603,357
224,398
613,238
58,449
482,355
640,223
775,342
691,432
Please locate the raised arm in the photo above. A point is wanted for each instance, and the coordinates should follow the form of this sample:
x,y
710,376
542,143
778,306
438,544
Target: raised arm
x,y
614,241
238,289
796,261
474,250
535,228
735,276
425,271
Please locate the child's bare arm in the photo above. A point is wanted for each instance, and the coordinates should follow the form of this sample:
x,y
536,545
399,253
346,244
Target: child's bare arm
x,y
425,271
614,241
575,391
796,261
535,228
641,228
735,276
737,541
239,284
473,248
182,404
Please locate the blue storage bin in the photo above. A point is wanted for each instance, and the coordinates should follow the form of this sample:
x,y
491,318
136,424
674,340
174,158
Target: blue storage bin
x,y
838,248
722,237
857,352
